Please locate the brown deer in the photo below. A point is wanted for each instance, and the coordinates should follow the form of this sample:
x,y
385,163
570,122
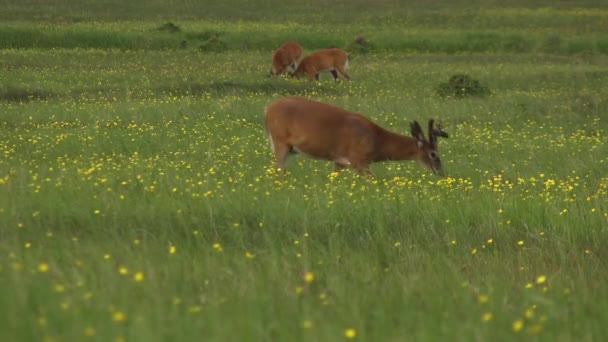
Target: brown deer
x,y
332,60
348,139
285,56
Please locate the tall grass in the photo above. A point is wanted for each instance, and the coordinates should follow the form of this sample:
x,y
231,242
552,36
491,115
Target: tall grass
x,y
212,36
139,199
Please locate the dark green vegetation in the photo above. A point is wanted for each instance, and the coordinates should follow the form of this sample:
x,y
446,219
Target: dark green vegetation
x,y
139,202
462,85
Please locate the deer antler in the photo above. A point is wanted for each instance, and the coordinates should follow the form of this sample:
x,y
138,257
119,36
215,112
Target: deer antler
x,y
440,132
435,132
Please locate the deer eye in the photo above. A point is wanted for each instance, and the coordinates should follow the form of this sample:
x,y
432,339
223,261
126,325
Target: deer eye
x,y
433,155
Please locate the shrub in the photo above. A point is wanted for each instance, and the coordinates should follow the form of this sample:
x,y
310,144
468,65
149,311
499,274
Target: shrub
x,y
169,27
462,85
359,46
213,44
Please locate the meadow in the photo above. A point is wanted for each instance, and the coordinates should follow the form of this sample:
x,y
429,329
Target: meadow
x,y
139,199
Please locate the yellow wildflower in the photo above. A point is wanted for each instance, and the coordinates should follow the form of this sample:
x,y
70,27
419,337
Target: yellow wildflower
x,y
43,267
541,279
518,324
119,316
89,331
309,277
483,298
350,333
307,324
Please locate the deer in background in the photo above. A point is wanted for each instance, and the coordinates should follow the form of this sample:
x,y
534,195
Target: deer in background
x,y
348,139
332,60
285,56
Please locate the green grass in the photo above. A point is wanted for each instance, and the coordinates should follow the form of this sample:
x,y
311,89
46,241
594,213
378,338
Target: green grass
x,y
138,198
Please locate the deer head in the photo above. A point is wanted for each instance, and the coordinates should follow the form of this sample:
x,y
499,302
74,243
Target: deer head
x,y
427,149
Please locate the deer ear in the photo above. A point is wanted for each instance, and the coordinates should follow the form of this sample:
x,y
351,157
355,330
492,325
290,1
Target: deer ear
x,y
417,133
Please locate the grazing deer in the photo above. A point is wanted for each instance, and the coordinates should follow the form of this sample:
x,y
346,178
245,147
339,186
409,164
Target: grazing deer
x,y
285,56
332,60
323,131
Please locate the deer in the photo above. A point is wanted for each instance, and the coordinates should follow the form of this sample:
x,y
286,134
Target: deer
x,y
332,60
348,139
287,55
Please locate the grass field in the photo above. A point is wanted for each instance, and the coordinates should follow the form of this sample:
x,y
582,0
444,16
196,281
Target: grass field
x,y
139,200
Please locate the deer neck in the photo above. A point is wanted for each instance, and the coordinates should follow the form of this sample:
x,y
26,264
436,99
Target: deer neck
x,y
393,146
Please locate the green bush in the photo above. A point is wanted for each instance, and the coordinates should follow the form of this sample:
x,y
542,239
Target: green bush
x,y
462,85
359,46
213,44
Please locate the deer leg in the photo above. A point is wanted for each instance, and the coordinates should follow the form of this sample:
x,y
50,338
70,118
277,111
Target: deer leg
x,y
338,167
281,152
311,74
365,172
362,168
334,73
342,70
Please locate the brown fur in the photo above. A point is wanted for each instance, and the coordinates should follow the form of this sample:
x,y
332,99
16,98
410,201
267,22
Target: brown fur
x,y
323,131
331,60
287,55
